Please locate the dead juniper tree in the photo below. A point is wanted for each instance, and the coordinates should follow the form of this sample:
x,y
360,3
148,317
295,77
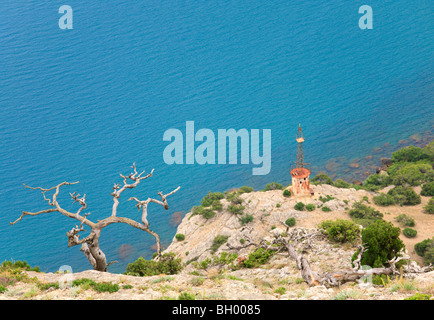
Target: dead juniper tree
x,y
90,244
297,244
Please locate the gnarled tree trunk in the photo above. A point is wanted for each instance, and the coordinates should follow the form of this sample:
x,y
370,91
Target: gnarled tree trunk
x,y
90,244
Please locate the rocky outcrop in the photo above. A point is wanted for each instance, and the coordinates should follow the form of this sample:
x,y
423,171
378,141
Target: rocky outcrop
x,y
270,210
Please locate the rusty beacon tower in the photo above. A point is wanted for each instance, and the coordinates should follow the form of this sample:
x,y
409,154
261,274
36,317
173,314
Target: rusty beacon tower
x,y
300,171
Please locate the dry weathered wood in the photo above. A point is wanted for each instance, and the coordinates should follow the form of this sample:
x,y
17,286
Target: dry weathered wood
x,y
302,237
90,244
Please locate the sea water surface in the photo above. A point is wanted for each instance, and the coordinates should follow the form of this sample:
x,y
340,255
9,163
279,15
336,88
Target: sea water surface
x,y
84,104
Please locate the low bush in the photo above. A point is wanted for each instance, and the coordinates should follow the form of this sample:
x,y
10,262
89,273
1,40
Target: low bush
x,y
341,230
246,219
18,265
142,267
339,183
286,193
299,206
364,215
273,186
419,296
428,189
197,281
321,178
405,220
245,189
290,222
86,283
404,196
207,213
186,296
429,207
409,233
210,197
423,246
217,242
425,249
377,181
257,258
382,241
236,209
384,200
326,209
180,237
106,287
326,198
216,205
310,207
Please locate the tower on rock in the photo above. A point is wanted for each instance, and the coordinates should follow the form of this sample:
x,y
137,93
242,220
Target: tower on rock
x,y
300,172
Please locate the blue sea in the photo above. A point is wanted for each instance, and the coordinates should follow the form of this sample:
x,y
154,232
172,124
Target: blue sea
x,y
84,104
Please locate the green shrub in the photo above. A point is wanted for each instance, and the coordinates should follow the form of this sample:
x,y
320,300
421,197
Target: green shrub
x,y
339,183
410,173
3,289
409,233
46,286
245,189
197,281
428,189
18,265
236,209
405,220
273,186
127,286
236,200
326,198
404,196
97,286
299,206
216,205
423,246
409,154
290,222
384,199
85,283
428,258
363,214
210,197
429,207
217,242
208,213
277,205
310,207
106,287
180,237
280,290
341,230
326,209
425,249
419,296
322,178
380,280
167,265
257,258
377,181
382,242
286,193
246,219
186,296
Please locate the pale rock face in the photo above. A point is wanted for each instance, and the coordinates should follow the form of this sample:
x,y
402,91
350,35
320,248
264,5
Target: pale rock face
x,y
270,210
